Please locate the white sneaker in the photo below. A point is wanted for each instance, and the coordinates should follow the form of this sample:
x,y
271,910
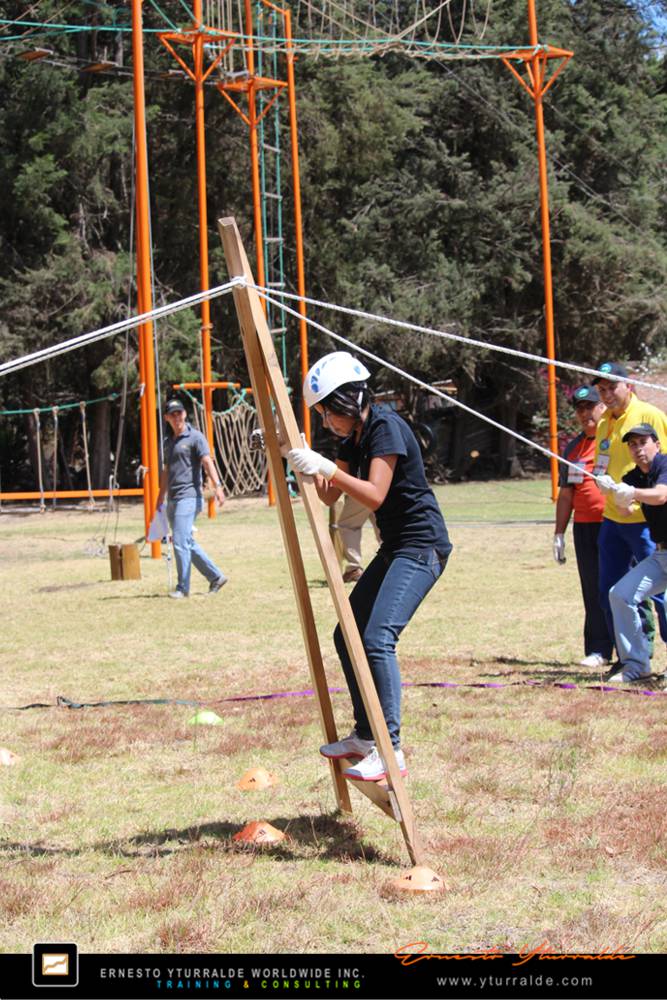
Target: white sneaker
x,y
351,746
371,768
594,661
178,595
618,677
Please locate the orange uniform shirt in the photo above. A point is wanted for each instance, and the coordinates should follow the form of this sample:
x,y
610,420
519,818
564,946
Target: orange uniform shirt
x,y
587,500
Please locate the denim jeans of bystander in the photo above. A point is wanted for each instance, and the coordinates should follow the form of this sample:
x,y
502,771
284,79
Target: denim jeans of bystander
x,y
182,514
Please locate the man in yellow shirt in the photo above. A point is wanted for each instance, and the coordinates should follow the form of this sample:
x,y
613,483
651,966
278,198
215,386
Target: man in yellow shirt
x,y
624,536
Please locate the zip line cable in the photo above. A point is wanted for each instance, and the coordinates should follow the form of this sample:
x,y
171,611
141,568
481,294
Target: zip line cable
x,y
56,350
432,389
468,341
109,331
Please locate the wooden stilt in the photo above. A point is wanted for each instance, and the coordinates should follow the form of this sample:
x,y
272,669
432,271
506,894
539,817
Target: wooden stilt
x,y
264,367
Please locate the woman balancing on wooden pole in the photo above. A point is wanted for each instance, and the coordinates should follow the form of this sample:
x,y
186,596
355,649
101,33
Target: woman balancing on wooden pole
x,y
379,463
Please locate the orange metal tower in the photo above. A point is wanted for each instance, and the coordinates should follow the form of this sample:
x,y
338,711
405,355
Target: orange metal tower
x,y
536,63
149,437
199,38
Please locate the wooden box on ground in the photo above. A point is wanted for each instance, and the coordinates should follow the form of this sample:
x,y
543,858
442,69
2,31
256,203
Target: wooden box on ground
x,y
124,561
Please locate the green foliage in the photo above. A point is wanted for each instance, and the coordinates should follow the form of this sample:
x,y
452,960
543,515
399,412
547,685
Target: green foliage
x,y
420,202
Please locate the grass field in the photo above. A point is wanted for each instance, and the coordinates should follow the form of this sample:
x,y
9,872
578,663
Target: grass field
x,y
543,807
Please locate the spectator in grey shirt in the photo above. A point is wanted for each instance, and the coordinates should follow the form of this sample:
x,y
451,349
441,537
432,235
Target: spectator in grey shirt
x,y
186,452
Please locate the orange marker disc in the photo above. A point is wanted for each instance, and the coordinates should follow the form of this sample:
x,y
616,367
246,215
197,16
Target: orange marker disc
x,y
259,832
256,779
419,879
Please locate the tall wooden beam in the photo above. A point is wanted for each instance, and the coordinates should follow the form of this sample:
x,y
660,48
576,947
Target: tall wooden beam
x,y
264,368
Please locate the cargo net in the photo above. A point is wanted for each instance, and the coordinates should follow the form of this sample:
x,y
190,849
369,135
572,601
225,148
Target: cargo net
x,y
427,29
239,458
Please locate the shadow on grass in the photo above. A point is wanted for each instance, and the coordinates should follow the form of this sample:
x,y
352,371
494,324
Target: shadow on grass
x,y
55,588
326,836
510,661
134,597
560,671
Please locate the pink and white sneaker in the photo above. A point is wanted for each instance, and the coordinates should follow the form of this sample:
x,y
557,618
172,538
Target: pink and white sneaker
x,y
351,746
372,768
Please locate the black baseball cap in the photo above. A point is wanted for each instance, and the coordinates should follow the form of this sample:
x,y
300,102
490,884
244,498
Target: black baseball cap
x,y
642,430
611,368
585,394
173,406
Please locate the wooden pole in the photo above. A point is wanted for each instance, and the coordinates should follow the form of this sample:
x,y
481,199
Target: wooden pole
x,y
286,516
392,797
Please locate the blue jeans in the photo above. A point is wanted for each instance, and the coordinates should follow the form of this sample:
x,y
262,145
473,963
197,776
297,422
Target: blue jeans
x,y
597,637
649,577
617,545
182,514
383,602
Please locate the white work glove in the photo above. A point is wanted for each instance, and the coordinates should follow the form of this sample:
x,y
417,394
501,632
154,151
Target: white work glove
x,y
606,484
311,463
624,495
559,548
624,498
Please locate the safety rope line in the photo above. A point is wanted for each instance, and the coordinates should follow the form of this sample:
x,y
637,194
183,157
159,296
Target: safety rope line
x,y
468,341
429,388
64,702
342,45
61,406
84,434
126,324
54,477
40,478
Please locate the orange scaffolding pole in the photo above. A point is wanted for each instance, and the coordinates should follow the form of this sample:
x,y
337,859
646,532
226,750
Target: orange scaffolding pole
x,y
535,61
149,436
70,494
298,226
200,129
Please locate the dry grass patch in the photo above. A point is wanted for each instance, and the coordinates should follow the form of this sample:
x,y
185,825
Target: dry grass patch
x,y
543,808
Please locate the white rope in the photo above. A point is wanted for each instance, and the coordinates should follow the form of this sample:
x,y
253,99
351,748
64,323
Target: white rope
x,y
468,341
126,324
84,432
38,432
429,388
54,411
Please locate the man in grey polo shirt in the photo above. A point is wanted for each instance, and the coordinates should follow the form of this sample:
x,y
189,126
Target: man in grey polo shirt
x,y
186,451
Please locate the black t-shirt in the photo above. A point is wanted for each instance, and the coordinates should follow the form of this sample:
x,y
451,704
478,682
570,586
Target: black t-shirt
x,y
409,518
656,517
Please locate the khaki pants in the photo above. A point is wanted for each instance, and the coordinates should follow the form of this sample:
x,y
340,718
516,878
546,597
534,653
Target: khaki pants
x,y
351,517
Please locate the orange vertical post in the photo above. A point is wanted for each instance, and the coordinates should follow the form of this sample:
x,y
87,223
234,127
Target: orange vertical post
x,y
254,174
200,131
536,60
298,227
539,70
254,146
149,437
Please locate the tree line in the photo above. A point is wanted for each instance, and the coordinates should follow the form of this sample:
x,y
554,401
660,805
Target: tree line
x,y
420,200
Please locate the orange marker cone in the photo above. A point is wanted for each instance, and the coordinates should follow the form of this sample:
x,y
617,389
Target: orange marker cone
x,y
256,779
418,879
259,832
7,757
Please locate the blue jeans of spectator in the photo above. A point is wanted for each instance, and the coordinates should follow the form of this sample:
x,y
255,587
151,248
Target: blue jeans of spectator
x,y
649,577
597,637
182,514
383,602
618,544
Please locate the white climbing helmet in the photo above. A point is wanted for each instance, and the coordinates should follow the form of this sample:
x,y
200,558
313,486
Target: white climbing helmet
x,y
329,373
